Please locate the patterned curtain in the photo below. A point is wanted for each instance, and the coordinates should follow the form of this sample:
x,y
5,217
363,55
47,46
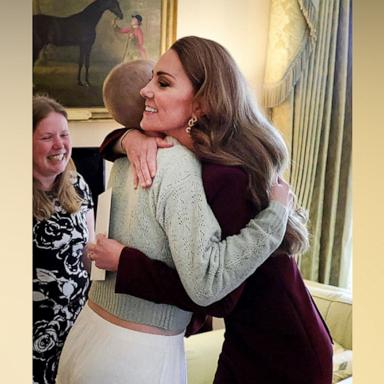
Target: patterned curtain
x,y
308,90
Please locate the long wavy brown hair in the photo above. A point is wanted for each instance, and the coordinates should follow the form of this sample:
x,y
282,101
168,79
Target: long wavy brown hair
x,y
233,131
63,187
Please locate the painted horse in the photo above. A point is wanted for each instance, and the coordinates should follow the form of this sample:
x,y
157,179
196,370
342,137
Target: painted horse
x,y
75,30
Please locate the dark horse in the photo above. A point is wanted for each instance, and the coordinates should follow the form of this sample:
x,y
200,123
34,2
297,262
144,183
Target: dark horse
x,y
77,29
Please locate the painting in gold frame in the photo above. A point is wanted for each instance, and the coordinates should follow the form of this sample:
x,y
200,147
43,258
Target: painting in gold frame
x,y
59,68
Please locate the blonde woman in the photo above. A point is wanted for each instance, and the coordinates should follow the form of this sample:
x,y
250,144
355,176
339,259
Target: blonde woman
x,y
62,225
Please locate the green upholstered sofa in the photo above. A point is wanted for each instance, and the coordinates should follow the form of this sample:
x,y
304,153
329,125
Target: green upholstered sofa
x,y
335,304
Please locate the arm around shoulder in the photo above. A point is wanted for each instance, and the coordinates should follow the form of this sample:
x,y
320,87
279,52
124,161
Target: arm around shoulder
x,y
110,143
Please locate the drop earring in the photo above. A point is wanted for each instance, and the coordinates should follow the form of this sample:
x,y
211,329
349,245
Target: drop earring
x,y
191,122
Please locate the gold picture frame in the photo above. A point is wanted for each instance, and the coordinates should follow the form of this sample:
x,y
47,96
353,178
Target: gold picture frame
x,y
76,94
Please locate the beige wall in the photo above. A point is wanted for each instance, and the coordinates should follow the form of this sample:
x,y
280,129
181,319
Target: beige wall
x,y
241,26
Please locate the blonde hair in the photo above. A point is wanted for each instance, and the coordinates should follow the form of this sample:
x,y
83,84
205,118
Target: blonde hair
x,y
63,187
233,131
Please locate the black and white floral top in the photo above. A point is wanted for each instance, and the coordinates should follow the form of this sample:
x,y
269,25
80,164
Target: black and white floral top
x,y
60,281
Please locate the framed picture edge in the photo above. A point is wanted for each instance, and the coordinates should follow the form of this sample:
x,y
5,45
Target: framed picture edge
x,y
168,36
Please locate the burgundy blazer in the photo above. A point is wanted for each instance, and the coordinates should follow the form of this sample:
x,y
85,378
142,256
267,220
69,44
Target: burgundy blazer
x,y
274,331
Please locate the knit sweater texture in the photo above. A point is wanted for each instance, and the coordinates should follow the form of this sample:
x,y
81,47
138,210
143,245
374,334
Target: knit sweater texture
x,y
172,222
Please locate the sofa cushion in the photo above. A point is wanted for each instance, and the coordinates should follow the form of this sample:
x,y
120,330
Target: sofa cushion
x,y
342,363
202,351
335,305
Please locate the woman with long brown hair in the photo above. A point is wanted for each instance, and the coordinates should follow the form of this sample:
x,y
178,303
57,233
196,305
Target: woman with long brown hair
x,y
274,332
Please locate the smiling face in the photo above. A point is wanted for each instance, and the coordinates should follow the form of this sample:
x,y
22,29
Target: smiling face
x,y
168,98
51,149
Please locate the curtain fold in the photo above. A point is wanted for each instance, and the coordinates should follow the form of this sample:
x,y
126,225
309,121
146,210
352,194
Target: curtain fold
x,y
291,39
315,118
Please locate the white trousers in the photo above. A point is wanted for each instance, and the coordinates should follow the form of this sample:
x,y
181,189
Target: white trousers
x,y
99,352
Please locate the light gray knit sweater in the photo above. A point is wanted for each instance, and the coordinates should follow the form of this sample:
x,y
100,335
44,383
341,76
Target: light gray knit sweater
x,y
172,222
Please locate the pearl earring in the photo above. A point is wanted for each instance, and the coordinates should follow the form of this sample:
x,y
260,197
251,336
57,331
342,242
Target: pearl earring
x,y
191,122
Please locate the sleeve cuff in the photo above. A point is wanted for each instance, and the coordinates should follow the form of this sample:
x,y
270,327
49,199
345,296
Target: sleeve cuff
x,y
125,264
